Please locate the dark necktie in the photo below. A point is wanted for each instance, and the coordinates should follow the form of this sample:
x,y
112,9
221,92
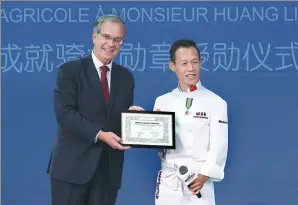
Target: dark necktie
x,y
104,82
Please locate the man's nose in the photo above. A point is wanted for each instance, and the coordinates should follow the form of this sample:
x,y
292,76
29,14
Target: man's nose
x,y
111,42
190,67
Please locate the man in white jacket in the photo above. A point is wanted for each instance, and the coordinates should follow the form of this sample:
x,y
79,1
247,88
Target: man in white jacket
x,y
201,127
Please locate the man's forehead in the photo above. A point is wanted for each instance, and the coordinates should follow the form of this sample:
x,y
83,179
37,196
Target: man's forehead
x,y
187,57
111,25
114,29
187,53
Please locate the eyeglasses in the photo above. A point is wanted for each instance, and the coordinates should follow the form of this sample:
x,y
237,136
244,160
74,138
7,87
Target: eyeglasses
x,y
108,37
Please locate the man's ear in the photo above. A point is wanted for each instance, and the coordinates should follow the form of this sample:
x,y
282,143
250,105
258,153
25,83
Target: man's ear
x,y
200,65
94,36
172,66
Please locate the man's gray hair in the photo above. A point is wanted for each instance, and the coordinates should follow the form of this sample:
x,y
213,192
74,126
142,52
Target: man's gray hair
x,y
109,17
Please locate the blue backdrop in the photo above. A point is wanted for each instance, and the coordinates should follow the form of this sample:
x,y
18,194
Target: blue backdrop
x,y
250,58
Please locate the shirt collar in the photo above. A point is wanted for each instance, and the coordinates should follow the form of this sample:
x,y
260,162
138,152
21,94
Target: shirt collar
x,y
199,84
98,63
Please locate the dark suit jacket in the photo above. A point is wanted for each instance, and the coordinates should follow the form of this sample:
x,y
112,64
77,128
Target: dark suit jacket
x,y
81,112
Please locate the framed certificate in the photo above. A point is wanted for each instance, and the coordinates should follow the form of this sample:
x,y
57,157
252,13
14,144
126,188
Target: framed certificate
x,y
148,129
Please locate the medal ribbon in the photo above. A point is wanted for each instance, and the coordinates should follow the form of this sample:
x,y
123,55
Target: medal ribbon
x,y
188,103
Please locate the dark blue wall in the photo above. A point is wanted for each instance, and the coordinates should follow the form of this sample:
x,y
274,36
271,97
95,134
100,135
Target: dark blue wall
x,y
250,58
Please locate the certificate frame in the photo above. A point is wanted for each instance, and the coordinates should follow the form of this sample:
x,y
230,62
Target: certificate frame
x,y
136,123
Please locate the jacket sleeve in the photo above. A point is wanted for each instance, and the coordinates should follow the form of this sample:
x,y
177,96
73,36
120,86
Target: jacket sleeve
x,y
214,165
155,106
65,105
158,104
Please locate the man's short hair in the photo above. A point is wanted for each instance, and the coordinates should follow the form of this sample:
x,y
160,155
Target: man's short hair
x,y
109,17
182,43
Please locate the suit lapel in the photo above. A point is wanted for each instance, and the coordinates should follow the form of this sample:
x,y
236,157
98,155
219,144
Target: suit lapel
x,y
95,83
115,85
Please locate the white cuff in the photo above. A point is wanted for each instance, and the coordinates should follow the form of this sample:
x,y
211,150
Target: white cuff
x,y
213,171
96,137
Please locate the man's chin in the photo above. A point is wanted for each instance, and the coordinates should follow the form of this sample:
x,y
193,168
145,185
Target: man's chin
x,y
108,58
193,82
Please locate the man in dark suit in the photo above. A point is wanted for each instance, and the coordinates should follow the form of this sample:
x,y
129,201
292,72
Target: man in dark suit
x,y
87,161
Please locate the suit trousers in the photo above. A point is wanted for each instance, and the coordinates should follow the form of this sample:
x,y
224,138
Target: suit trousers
x,y
96,192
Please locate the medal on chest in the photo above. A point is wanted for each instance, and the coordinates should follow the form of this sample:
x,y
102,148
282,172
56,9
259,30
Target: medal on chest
x,y
188,104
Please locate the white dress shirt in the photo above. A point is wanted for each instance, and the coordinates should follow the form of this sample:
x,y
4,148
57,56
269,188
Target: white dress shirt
x,y
98,64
